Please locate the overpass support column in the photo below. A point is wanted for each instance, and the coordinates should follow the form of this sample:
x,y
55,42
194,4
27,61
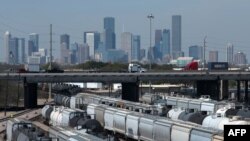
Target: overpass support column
x,y
30,95
246,91
223,89
238,90
130,91
208,87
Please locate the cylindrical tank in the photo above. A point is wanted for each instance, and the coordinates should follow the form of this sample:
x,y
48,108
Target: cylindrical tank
x,y
215,122
174,113
244,113
44,109
226,112
48,113
195,117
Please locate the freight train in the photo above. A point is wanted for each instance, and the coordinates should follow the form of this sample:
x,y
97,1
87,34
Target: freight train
x,y
138,126
176,108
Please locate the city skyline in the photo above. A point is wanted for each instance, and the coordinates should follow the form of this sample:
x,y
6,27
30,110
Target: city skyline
x,y
194,25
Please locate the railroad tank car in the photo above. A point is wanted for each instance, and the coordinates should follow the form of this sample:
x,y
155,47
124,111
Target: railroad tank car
x,y
175,113
194,117
244,113
54,115
76,101
215,122
227,111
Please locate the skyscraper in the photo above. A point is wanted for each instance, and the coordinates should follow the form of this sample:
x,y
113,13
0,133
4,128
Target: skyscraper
x,y
196,52
109,33
65,38
34,38
230,52
13,50
6,51
21,51
109,23
64,48
126,43
240,58
136,46
83,53
165,42
92,38
213,56
176,36
158,44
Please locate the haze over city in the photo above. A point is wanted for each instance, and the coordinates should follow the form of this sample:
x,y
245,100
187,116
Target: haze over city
x,y
221,21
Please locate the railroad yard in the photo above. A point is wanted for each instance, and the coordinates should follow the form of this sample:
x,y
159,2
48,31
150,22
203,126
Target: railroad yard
x,y
78,116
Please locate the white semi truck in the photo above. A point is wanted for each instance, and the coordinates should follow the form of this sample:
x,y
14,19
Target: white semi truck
x,y
135,68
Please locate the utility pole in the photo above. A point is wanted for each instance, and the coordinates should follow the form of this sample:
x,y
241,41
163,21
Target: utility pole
x,y
50,60
50,42
204,53
150,17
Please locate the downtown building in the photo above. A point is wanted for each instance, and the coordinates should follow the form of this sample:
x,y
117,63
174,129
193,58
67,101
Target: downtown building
x,y
213,56
33,43
230,54
109,38
136,48
64,49
165,46
176,37
240,59
196,52
126,44
92,38
14,49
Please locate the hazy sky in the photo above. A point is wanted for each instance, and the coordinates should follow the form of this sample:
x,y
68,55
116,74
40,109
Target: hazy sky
x,y
222,21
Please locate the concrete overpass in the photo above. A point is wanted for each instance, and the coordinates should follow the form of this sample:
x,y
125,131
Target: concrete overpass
x,y
127,77
208,82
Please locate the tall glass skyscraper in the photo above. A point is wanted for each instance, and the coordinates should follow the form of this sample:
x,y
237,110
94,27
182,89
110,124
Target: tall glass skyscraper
x,y
126,43
158,44
65,39
109,23
13,50
165,42
21,50
34,38
109,33
136,46
176,36
230,53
